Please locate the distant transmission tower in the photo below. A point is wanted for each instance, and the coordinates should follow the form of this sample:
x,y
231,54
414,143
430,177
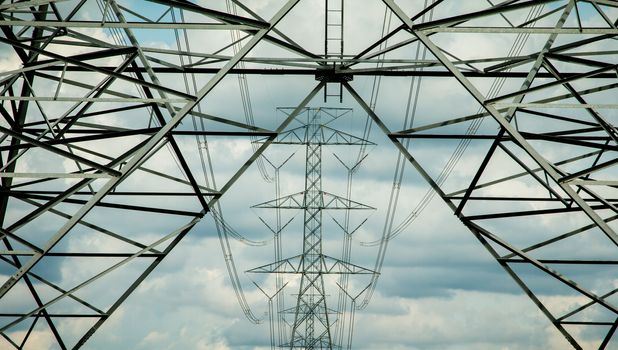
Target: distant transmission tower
x,y
313,322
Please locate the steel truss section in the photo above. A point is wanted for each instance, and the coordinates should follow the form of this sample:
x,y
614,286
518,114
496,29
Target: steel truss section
x,y
95,123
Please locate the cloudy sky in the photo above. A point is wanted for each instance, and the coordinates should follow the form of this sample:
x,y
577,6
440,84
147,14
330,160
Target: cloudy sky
x,y
439,288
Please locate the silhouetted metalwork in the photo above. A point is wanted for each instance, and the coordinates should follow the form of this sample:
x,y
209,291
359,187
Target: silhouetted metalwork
x,y
100,126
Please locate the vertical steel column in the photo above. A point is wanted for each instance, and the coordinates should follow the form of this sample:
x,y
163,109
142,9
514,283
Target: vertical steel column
x,y
311,302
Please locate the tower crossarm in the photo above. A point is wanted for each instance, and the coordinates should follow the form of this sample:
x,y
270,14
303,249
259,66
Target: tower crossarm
x,y
326,265
326,200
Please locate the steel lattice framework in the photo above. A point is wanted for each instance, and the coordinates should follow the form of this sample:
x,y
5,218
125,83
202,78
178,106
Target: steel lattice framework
x,y
104,103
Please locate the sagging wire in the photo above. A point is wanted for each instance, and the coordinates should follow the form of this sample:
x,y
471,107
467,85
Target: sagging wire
x,y
410,114
346,256
411,105
278,242
377,81
244,93
224,230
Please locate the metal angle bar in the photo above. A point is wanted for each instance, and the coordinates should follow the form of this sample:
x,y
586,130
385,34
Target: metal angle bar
x,y
560,210
557,105
92,114
579,141
35,295
141,168
394,72
57,315
140,16
600,12
525,199
610,3
535,30
528,292
92,135
395,31
55,175
609,232
237,19
564,262
222,16
136,25
95,135
93,55
593,182
402,133
94,99
275,30
49,205
566,136
577,60
577,44
590,170
587,323
5,233
14,6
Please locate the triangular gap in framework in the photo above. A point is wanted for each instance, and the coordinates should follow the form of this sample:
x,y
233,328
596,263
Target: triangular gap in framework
x,y
589,16
72,316
592,336
97,281
561,301
32,333
17,302
510,181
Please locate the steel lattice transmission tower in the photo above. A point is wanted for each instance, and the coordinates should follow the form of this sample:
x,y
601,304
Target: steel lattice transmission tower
x,y
103,102
313,324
